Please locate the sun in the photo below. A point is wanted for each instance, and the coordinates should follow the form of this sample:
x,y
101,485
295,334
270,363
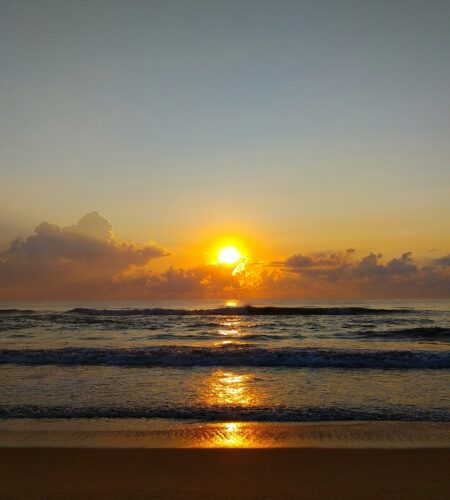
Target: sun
x,y
228,255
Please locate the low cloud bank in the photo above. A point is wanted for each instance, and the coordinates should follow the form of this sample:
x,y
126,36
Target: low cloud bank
x,y
87,260
343,274
316,275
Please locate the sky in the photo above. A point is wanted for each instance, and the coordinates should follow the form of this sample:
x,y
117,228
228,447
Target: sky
x,y
299,129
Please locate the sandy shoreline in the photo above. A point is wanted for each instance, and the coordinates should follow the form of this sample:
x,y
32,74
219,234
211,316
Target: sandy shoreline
x,y
77,473
123,459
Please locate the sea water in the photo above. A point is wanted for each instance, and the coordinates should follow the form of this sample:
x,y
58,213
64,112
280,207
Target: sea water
x,y
214,362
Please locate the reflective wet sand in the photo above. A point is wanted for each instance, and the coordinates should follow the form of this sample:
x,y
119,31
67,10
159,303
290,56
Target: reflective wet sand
x,y
141,433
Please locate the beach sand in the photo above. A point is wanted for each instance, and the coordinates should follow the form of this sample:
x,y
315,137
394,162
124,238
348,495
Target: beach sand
x,y
277,473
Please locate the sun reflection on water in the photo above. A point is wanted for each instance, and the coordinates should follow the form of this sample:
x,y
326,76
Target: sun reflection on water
x,y
231,332
231,388
240,435
230,328
230,435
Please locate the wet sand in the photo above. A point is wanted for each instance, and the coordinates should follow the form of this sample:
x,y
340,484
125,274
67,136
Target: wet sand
x,y
277,473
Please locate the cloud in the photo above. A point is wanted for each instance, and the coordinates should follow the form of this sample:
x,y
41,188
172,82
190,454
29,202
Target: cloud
x,y
86,260
316,275
79,260
207,281
317,260
339,265
343,274
443,261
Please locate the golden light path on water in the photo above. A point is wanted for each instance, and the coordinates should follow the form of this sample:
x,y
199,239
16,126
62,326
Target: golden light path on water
x,y
230,329
229,388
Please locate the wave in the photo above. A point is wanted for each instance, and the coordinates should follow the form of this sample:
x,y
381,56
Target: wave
x,y
418,333
233,355
17,311
222,311
232,413
237,311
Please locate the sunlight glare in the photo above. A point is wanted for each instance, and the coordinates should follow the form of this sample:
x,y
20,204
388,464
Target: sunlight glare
x,y
228,255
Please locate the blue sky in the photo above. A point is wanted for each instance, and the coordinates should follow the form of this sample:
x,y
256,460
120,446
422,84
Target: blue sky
x,y
303,125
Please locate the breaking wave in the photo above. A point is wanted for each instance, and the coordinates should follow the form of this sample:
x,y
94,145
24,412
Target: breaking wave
x,y
233,355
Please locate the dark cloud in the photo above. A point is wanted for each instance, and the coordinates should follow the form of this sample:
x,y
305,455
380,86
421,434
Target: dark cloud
x,y
317,260
343,274
443,261
370,267
344,264
81,259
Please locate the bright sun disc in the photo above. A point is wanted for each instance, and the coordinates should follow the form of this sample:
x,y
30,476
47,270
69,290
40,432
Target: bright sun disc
x,y
228,255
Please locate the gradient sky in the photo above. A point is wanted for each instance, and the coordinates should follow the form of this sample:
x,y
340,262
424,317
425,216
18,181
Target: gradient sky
x,y
298,125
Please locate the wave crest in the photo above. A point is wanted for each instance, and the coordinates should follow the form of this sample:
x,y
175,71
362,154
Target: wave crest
x,y
219,311
238,311
233,355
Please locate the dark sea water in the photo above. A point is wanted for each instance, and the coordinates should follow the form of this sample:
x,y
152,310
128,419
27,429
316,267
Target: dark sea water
x,y
205,361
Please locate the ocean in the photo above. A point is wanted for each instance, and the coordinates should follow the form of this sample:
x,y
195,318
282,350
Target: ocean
x,y
215,362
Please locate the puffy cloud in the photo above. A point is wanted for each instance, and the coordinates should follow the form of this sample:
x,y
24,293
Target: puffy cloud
x,y
370,267
342,274
79,260
92,225
336,265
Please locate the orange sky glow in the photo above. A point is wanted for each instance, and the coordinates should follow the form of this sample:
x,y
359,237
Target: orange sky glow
x,y
87,260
